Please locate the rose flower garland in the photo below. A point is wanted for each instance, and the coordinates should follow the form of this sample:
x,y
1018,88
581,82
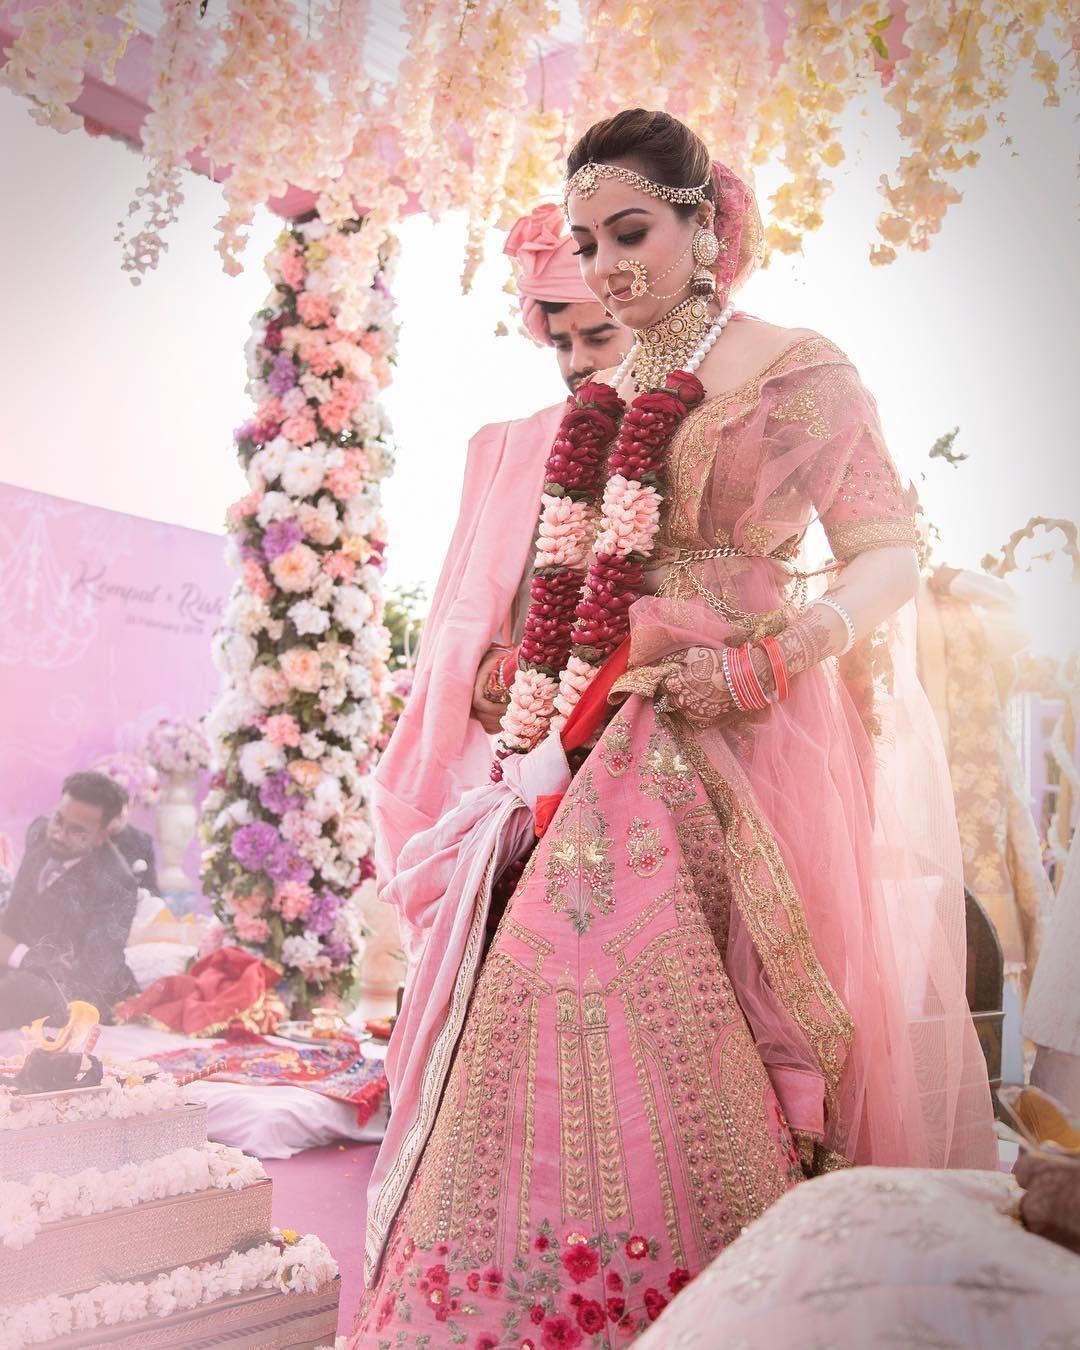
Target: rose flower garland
x,y
303,647
589,571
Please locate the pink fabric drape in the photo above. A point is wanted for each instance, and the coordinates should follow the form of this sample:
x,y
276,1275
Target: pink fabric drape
x,y
439,751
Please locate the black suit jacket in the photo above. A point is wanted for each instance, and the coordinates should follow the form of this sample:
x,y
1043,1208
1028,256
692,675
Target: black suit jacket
x,y
76,929
136,846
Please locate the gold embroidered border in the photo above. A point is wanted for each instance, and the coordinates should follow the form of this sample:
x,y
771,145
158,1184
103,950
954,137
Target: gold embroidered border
x,y
788,956
573,1169
610,1157
617,945
528,1137
656,1134
541,946
387,1202
848,538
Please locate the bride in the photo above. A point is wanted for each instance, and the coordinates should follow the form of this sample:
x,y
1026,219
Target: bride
x,y
735,954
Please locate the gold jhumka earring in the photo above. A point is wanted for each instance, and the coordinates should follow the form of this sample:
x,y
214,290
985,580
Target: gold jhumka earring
x,y
706,248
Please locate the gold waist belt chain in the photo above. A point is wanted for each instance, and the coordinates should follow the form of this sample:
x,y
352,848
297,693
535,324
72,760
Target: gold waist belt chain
x,y
681,579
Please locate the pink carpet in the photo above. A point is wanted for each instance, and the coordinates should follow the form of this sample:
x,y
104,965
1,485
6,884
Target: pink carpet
x,y
324,1191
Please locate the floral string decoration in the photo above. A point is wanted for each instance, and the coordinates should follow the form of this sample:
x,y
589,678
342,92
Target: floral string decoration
x,y
592,547
288,844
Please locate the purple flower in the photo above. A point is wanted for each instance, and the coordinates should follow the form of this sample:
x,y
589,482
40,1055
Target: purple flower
x,y
245,431
278,795
282,376
339,954
250,552
284,863
322,913
252,844
280,536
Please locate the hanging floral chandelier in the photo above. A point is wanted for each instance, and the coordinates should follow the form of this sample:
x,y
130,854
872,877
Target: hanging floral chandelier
x,y
267,94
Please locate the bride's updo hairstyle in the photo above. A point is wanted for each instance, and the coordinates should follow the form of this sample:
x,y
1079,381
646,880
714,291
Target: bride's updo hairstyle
x,y
652,143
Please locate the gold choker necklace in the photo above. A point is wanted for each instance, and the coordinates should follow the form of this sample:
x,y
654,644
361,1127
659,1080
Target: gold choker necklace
x,y
668,344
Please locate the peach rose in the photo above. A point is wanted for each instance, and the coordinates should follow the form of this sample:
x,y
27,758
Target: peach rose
x,y
305,773
268,685
297,569
302,668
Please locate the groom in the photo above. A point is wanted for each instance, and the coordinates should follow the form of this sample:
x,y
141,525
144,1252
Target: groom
x,y
440,748
63,932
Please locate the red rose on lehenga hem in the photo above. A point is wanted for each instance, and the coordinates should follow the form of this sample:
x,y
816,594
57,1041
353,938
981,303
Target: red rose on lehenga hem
x,y
559,1333
581,1262
678,1279
655,1303
590,1317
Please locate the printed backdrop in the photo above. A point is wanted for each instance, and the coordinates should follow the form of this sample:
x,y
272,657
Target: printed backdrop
x,y
105,626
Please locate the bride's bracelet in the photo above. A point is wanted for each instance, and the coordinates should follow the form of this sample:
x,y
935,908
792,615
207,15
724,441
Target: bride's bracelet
x,y
848,622
500,677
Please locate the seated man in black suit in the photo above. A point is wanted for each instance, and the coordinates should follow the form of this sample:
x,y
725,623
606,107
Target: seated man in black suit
x,y
63,932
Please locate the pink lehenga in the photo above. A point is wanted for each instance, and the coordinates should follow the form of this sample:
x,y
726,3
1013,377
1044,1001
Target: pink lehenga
x,y
735,957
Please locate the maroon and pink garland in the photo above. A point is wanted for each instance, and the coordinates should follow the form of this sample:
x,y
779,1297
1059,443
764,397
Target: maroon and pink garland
x,y
582,588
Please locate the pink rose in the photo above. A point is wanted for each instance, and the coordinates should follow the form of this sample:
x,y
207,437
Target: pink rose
x,y
313,309
303,669
343,482
282,730
291,266
239,511
292,900
250,905
300,428
251,930
268,685
255,580
339,566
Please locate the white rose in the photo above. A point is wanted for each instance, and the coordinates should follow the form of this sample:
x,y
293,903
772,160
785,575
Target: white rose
x,y
359,681
346,724
311,745
327,800
271,458
275,506
299,951
303,473
308,617
352,607
258,759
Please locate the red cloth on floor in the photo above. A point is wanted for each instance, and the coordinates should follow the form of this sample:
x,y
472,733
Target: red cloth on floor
x,y
228,986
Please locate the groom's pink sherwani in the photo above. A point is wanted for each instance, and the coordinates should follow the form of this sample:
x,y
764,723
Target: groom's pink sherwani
x,y
439,750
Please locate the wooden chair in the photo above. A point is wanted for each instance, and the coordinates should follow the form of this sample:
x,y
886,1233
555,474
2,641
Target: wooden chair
x,y
985,984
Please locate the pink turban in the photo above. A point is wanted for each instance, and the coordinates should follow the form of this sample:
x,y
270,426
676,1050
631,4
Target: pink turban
x,y
547,268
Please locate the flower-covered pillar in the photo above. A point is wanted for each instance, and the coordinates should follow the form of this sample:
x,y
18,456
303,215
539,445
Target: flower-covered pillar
x,y
287,844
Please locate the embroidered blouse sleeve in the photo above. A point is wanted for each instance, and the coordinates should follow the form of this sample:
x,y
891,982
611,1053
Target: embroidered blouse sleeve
x,y
854,484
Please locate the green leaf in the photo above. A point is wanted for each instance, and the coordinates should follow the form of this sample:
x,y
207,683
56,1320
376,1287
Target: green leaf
x,y
878,45
882,24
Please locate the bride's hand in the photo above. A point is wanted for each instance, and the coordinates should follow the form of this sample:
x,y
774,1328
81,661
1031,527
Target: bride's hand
x,y
697,687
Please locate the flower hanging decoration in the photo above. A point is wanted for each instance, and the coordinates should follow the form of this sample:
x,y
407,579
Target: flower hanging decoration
x,y
303,648
270,94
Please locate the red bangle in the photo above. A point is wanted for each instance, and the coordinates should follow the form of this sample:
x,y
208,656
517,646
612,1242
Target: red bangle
x,y
771,648
508,667
746,681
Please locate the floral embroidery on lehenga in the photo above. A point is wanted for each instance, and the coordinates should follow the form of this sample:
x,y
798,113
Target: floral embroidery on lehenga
x,y
614,749
579,867
665,774
645,853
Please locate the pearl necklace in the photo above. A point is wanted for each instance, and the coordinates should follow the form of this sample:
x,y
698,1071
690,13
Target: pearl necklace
x,y
696,357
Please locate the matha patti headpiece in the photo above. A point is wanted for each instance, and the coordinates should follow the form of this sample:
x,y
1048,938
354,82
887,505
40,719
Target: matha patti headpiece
x,y
587,180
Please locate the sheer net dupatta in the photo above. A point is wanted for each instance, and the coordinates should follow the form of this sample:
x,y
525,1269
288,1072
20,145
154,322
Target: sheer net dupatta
x,y
845,938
